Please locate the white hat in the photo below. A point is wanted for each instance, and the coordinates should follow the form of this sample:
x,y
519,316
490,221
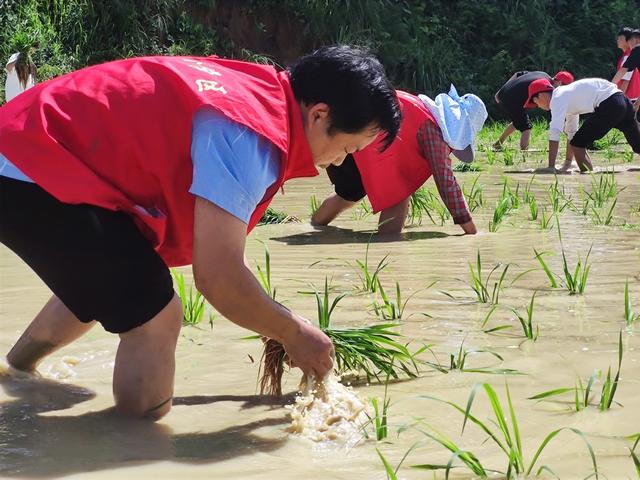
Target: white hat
x,y
459,118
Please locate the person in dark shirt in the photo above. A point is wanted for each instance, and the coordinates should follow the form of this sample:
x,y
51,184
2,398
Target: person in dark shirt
x,y
511,98
632,63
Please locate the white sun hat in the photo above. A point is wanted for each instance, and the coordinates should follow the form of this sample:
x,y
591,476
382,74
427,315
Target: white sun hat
x,y
459,118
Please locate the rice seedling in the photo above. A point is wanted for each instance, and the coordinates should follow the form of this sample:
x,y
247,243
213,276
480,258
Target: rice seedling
x,y
475,196
362,211
558,197
369,278
603,217
603,188
627,157
272,216
533,209
504,431
264,275
372,350
313,204
630,317
390,309
481,286
576,282
527,196
512,195
458,361
502,209
466,167
491,157
582,396
424,201
380,418
507,157
545,220
527,323
193,303
551,276
634,457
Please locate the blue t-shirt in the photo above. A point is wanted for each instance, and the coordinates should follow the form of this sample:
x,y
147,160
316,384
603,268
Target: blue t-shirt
x,y
232,165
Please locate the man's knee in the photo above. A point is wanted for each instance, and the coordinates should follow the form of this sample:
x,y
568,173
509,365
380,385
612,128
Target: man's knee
x,y
132,406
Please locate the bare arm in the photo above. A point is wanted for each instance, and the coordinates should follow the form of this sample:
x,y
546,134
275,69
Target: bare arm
x,y
619,74
553,153
392,219
223,278
332,206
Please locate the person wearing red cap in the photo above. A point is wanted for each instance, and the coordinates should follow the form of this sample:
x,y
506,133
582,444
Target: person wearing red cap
x,y
112,174
609,106
513,94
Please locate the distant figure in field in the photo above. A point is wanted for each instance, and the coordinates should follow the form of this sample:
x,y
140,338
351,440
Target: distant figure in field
x,y
609,106
631,65
21,75
431,130
511,98
629,83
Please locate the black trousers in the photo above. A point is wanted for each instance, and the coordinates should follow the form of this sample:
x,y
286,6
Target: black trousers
x,y
95,261
615,112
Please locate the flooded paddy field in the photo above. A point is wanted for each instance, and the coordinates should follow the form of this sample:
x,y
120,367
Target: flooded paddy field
x,y
219,426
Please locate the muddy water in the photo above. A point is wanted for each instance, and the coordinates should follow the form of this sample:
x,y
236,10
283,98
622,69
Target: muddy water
x,y
219,428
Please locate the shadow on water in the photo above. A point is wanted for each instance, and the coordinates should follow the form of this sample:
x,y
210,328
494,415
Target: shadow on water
x,y
36,443
331,235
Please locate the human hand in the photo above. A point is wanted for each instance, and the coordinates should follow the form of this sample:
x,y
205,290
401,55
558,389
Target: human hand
x,y
469,228
310,350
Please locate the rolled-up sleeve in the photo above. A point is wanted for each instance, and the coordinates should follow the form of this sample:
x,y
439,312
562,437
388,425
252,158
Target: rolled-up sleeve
x,y
232,166
436,151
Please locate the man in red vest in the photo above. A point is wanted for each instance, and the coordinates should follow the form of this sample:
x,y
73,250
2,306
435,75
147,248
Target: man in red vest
x,y
114,173
430,131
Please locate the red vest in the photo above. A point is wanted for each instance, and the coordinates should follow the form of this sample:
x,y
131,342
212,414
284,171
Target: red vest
x,y
391,176
633,89
118,136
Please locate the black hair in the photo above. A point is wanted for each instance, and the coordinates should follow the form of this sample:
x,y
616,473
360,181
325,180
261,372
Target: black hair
x,y
634,34
354,85
624,32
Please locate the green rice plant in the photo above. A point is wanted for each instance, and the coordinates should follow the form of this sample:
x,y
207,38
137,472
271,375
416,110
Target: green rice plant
x,y
603,188
481,286
558,197
313,204
502,209
527,195
424,201
627,157
582,396
272,216
369,278
264,275
507,157
527,323
512,195
634,457
390,309
466,167
504,431
491,157
458,361
533,209
605,216
545,220
630,317
363,210
193,302
475,196
372,350
380,418
576,282
551,276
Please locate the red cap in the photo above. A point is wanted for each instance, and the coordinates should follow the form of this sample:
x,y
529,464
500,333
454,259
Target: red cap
x,y
564,77
537,86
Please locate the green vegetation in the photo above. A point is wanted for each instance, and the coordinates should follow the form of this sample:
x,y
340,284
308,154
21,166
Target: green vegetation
x,y
193,303
481,286
527,323
630,317
264,274
272,216
424,202
504,431
475,196
582,394
369,278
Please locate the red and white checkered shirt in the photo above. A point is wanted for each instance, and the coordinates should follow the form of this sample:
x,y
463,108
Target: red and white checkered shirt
x,y
436,151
